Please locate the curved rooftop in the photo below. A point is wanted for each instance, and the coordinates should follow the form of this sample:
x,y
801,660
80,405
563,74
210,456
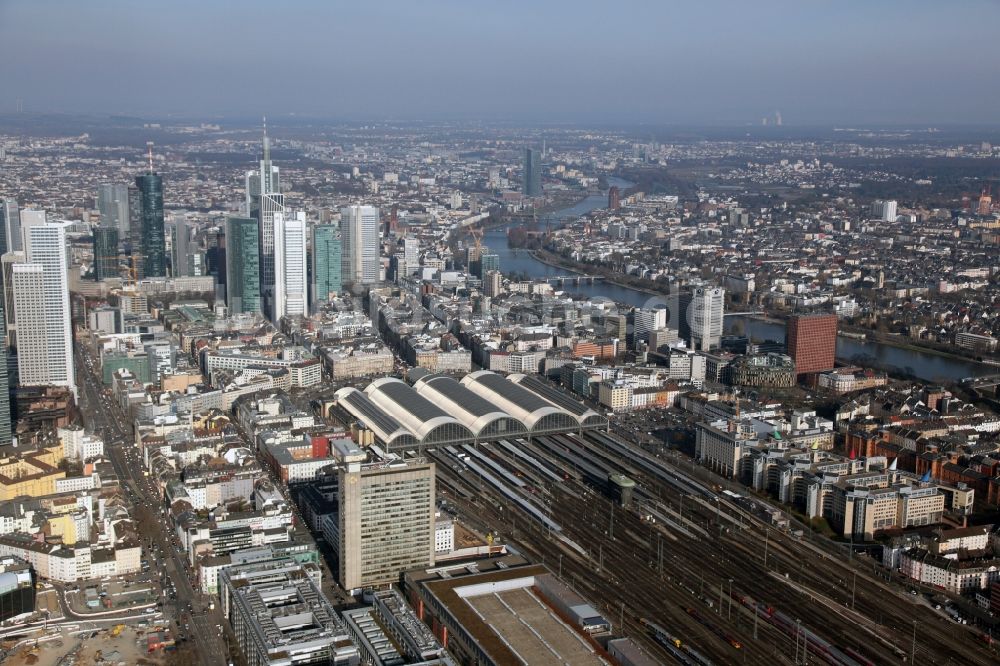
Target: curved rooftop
x,y
428,422
528,407
480,416
584,415
385,427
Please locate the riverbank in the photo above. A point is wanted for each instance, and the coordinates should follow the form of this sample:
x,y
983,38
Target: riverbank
x,y
554,260
872,336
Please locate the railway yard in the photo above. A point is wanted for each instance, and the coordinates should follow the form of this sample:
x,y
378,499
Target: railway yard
x,y
694,575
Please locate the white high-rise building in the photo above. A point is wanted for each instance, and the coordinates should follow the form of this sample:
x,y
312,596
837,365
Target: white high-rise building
x,y
42,308
411,253
705,315
290,280
647,320
884,210
359,227
29,218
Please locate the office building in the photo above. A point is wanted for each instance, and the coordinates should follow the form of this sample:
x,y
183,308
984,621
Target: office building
x,y
488,261
134,237
411,253
493,284
614,198
9,260
105,252
290,279
884,210
242,265
42,307
5,429
10,226
112,203
532,185
360,238
29,218
386,521
811,341
180,259
327,271
17,587
647,320
704,317
281,618
264,200
151,232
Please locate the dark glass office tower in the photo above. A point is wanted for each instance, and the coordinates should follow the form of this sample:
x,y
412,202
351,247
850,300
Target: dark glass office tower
x,y
326,264
10,226
134,239
242,265
105,252
153,243
532,185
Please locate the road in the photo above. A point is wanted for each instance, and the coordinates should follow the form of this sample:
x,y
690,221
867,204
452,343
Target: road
x,y
107,420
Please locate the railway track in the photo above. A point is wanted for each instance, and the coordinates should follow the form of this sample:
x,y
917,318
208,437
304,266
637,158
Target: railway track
x,y
689,573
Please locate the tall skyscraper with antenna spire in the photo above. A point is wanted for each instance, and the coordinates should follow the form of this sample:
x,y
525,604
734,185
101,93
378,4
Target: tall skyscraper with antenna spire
x,y
152,239
264,199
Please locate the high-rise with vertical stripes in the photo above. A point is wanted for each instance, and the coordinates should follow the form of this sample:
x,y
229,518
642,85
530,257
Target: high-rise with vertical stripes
x,y
359,226
326,263
42,308
264,199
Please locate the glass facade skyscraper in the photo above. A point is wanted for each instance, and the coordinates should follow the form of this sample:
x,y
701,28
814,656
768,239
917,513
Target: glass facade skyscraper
x,y
532,185
105,252
264,200
326,262
242,265
10,226
154,251
488,261
112,202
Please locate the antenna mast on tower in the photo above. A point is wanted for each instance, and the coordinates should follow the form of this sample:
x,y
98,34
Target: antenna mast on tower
x,y
149,146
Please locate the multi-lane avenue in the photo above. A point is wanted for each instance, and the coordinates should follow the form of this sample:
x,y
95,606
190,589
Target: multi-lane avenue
x,y
195,618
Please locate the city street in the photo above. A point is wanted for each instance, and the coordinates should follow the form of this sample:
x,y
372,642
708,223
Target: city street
x,y
195,621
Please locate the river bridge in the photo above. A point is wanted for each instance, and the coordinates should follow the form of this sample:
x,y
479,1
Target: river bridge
x,y
574,280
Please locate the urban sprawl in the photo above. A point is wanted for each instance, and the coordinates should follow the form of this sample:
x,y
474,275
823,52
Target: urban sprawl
x,y
450,394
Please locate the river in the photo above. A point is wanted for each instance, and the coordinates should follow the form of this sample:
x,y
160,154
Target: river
x,y
926,366
513,260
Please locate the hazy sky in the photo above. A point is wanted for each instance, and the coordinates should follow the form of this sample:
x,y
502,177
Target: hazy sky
x,y
657,61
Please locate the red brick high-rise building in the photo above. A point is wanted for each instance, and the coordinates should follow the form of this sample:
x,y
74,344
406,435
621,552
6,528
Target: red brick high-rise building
x,y
811,341
614,198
